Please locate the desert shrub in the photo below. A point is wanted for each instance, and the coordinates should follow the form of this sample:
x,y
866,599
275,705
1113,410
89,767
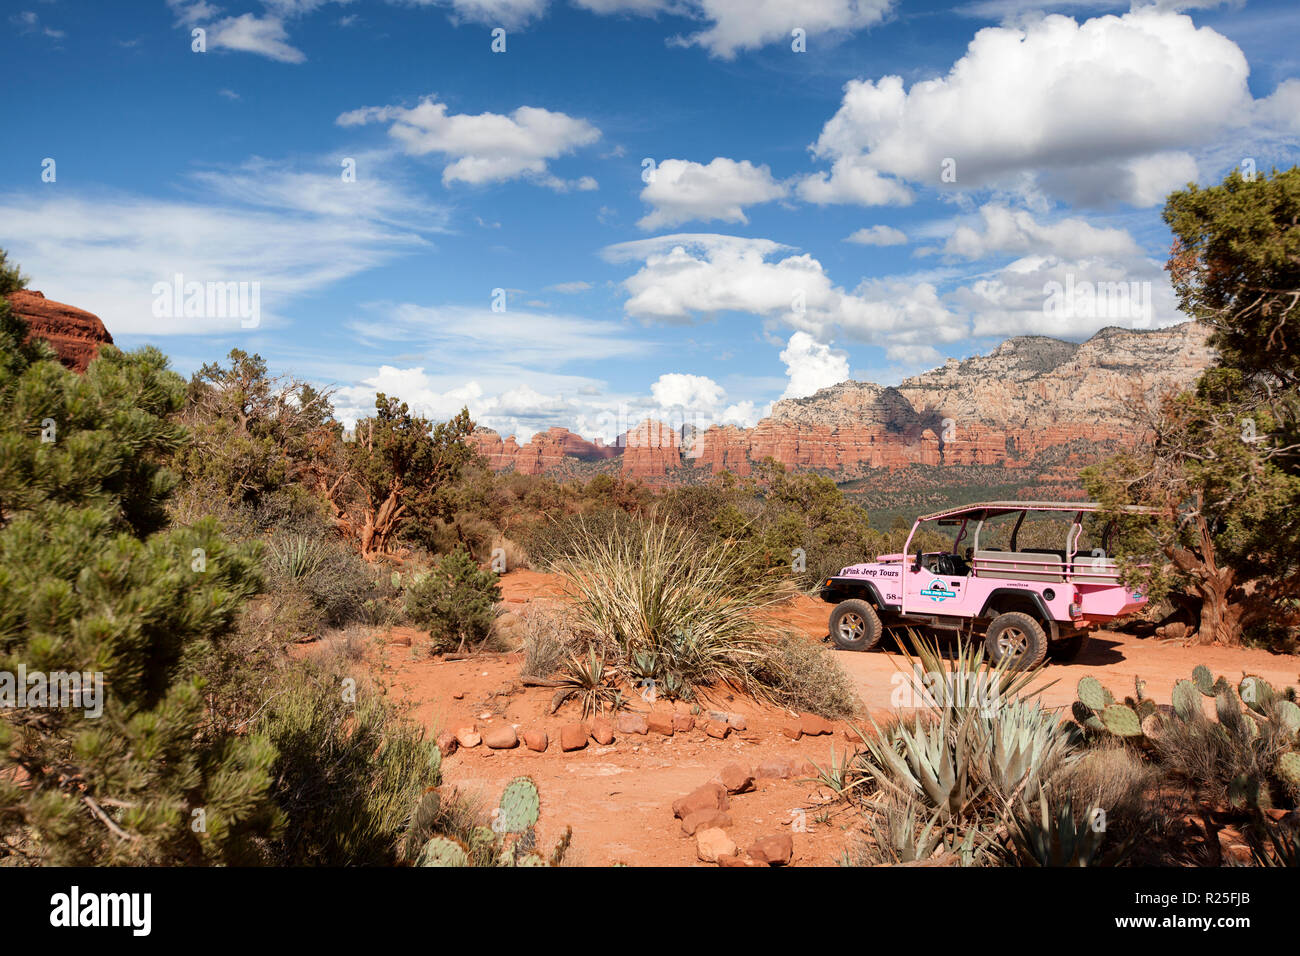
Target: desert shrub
x,y
1223,766
559,538
95,581
455,601
663,593
514,554
333,578
805,676
348,769
549,639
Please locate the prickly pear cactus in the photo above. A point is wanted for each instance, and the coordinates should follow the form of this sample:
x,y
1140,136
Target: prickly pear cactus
x,y
1256,693
1228,709
1203,680
1121,721
443,851
1187,700
1086,718
1287,713
1288,767
519,807
1092,694
396,580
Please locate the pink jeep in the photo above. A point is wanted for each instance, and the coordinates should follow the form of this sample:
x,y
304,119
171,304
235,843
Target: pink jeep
x,y
1033,578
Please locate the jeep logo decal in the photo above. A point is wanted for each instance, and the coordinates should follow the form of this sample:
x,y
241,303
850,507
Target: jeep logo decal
x,y
937,592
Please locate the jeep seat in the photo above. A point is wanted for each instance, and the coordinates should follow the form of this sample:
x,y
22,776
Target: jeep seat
x,y
1019,565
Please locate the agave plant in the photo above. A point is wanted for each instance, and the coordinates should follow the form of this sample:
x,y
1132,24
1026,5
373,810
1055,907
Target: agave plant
x,y
1056,838
977,743
587,679
908,837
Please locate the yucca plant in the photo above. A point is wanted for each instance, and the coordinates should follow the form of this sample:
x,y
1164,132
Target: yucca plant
x,y
692,603
298,556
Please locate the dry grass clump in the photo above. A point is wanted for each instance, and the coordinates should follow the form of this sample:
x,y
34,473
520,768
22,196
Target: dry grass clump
x,y
679,611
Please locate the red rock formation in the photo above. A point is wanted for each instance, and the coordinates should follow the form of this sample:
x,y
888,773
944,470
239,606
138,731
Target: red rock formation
x,y
650,451
1032,396
75,334
542,452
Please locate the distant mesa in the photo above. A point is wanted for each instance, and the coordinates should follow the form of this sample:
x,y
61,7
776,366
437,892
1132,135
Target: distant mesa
x,y
75,333
1033,402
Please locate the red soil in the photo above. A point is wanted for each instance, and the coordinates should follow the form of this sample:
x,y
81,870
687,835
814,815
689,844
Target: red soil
x,y
618,798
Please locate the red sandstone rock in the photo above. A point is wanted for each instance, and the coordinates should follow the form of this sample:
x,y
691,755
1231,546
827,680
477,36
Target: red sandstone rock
x,y
75,333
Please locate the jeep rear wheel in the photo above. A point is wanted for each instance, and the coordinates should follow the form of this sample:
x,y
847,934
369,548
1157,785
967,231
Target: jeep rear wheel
x,y
1017,638
855,625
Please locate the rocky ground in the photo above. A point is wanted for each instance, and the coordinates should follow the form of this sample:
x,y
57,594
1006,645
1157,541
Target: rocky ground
x,y
733,783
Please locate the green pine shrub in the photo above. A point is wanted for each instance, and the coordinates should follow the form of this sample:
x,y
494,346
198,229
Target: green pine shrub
x,y
455,602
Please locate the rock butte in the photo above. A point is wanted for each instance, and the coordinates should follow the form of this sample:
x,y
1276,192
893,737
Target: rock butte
x,y
75,334
1030,395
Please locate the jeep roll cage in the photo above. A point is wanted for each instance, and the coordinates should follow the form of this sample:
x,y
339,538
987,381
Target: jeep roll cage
x,y
1032,564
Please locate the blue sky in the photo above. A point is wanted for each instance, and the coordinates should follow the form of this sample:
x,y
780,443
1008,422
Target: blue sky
x,y
905,189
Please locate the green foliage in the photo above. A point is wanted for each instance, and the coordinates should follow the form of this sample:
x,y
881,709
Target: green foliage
x,y
347,771
253,434
1223,470
399,473
455,602
11,279
94,582
1235,264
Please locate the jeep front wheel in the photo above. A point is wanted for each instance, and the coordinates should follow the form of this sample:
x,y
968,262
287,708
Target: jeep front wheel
x,y
855,625
1016,638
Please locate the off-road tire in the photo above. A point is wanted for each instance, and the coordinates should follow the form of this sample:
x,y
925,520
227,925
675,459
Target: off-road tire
x,y
1067,648
1021,631
855,626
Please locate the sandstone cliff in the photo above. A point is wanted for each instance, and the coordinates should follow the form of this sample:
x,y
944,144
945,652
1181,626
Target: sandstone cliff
x,y
1031,401
75,334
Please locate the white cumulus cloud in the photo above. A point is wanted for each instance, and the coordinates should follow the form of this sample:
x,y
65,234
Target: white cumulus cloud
x,y
487,147
682,191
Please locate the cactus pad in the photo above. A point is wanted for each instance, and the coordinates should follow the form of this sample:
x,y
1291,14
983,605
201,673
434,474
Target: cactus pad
x,y
1121,721
1288,767
443,851
519,807
1092,693
1187,700
1287,714
1203,680
1256,693
1228,708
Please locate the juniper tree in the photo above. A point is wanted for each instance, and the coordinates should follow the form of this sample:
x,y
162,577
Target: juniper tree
x,y
94,582
399,469
1224,462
